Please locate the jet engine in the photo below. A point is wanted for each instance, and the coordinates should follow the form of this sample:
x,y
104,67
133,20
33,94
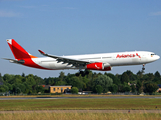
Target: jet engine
x,y
99,66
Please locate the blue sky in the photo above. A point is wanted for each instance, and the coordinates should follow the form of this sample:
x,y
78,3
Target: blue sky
x,y
69,27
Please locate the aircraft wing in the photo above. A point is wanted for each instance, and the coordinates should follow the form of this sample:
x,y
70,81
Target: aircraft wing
x,y
64,60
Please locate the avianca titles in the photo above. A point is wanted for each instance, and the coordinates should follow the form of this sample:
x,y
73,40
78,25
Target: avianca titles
x,y
102,62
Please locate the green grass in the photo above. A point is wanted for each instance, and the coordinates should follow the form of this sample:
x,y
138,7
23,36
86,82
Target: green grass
x,y
80,116
88,104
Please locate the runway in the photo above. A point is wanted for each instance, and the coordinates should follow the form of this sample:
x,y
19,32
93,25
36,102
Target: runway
x,y
106,97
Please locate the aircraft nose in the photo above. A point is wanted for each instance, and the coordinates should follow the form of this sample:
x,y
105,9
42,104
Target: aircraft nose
x,y
157,57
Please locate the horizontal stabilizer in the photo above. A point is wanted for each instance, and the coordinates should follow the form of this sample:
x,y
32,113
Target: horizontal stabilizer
x,y
15,61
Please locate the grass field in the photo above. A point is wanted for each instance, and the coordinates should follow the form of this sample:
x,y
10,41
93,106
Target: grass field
x,y
80,104
80,116
26,109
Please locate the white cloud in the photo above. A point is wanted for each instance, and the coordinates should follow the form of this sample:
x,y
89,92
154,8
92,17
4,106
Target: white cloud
x,y
155,13
8,14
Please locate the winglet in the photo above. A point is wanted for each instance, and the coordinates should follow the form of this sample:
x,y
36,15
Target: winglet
x,y
41,52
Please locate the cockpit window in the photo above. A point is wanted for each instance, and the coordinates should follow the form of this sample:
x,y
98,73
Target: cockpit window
x,y
152,54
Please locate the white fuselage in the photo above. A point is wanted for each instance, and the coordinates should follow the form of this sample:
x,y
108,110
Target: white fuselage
x,y
114,59
102,62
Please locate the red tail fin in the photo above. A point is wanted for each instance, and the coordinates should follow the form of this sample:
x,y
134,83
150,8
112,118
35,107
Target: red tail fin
x,y
18,51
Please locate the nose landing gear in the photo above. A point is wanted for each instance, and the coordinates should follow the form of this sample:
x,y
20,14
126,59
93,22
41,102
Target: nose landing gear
x,y
143,68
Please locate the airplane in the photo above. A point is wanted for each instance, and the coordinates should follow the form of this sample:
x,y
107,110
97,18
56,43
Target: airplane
x,y
101,62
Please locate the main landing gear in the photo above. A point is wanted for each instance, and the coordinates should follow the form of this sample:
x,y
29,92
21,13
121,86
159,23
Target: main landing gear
x,y
82,73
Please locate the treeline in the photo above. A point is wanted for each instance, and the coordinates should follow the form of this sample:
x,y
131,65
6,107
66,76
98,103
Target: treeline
x,y
95,82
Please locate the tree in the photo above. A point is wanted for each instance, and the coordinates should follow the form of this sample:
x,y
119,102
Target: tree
x,y
76,82
40,89
104,81
17,79
38,80
144,78
1,78
138,86
157,74
124,78
121,88
50,81
133,88
150,76
150,87
18,88
127,88
30,80
58,83
140,74
98,89
8,78
85,81
131,76
9,86
4,88
124,88
28,88
74,90
61,76
21,87
113,88
89,75
29,83
157,78
114,78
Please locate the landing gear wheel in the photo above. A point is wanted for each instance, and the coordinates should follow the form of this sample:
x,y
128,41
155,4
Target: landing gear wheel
x,y
77,74
82,73
86,72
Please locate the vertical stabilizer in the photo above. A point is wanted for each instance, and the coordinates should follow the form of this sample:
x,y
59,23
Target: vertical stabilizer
x,y
18,51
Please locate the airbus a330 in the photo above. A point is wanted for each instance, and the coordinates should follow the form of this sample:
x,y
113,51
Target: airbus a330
x,y
101,62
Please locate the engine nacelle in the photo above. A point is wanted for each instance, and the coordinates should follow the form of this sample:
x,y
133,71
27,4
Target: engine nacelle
x,y
99,66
